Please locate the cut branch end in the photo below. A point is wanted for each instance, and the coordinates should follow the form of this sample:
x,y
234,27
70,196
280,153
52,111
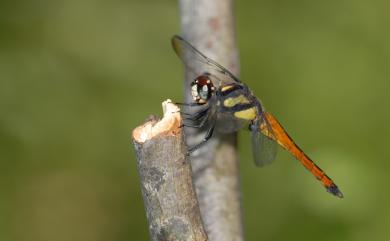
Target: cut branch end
x,y
168,125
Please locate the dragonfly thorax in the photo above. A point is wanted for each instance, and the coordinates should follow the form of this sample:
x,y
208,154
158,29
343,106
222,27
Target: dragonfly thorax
x,y
201,89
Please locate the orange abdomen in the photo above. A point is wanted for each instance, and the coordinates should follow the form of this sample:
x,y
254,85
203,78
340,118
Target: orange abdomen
x,y
285,141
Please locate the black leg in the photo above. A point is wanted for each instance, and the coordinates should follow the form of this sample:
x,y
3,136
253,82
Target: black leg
x,y
203,115
204,109
192,115
186,104
207,137
197,115
200,125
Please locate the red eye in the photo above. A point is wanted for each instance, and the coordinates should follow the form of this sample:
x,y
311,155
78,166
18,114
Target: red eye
x,y
202,88
203,80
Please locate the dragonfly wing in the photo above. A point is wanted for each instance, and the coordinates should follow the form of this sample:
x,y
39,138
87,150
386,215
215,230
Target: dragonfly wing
x,y
198,63
264,149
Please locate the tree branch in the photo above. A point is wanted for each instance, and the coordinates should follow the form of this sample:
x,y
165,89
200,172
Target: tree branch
x,y
209,26
169,197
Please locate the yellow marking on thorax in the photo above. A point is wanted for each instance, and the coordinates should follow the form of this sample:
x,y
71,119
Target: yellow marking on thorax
x,y
248,114
227,87
230,102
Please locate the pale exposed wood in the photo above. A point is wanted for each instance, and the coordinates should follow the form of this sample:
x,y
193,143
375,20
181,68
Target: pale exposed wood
x,y
168,125
165,173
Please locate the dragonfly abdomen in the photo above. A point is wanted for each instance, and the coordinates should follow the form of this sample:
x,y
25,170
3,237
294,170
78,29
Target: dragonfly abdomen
x,y
284,140
317,172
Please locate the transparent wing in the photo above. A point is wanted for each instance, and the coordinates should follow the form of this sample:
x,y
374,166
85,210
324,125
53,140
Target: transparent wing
x,y
198,63
264,147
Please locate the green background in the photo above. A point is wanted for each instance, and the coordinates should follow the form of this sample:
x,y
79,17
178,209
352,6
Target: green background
x,y
77,76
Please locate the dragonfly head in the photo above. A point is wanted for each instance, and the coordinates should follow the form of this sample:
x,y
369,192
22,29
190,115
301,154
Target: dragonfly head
x,y
202,89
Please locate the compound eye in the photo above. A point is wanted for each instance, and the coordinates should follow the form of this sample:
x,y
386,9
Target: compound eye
x,y
202,88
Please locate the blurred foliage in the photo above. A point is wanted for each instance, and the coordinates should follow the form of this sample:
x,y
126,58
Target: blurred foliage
x,y
77,76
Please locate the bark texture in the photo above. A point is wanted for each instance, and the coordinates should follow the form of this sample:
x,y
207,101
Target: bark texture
x,y
209,26
165,172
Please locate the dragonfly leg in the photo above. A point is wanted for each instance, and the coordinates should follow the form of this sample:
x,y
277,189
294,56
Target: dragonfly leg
x,y
207,137
198,112
186,104
201,116
196,115
205,117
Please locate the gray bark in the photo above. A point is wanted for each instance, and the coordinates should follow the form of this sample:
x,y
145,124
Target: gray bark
x,y
209,26
165,173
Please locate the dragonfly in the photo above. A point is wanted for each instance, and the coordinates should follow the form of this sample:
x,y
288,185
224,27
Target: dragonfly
x,y
228,105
